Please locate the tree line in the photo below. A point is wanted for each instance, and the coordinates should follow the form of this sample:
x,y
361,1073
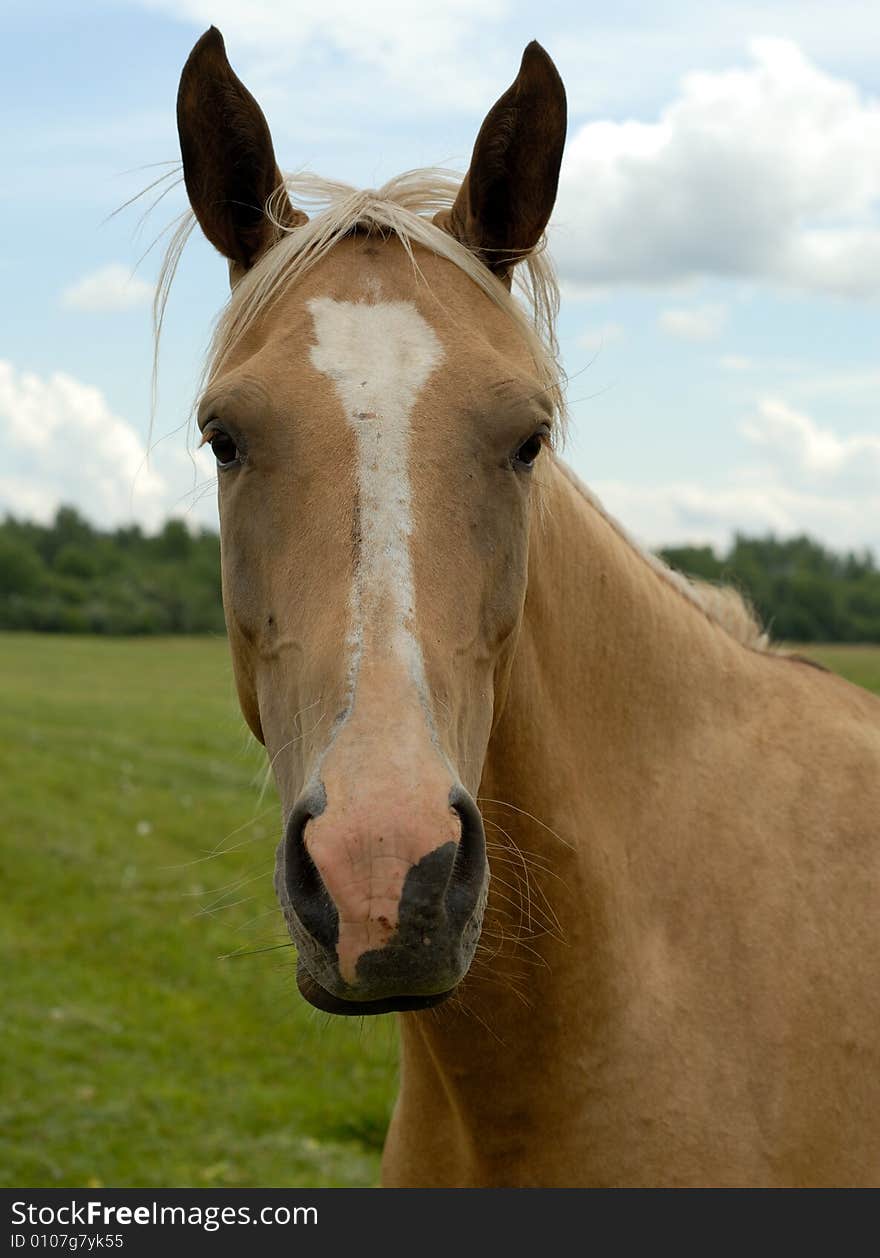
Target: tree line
x,y
69,577
802,591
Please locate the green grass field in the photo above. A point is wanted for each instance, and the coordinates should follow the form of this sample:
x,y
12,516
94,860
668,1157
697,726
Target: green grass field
x,y
136,856
132,1054
860,664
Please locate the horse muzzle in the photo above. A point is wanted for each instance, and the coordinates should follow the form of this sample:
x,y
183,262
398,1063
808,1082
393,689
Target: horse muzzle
x,y
383,901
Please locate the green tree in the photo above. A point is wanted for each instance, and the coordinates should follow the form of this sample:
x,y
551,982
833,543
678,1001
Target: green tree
x,y
22,571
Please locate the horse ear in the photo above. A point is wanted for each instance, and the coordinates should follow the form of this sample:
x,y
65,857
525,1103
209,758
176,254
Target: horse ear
x,y
229,164
508,193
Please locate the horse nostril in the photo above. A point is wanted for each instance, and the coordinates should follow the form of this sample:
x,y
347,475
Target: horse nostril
x,y
303,884
469,872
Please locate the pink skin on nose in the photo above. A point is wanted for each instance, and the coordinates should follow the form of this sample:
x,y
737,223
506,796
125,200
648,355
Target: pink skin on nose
x,y
364,857
387,793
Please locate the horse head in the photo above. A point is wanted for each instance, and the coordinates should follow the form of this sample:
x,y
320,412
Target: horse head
x,y
378,404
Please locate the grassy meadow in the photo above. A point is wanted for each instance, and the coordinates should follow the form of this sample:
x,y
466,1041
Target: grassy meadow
x,y
860,664
132,1053
137,855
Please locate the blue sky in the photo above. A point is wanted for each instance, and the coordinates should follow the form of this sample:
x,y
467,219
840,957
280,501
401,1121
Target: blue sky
x,y
717,237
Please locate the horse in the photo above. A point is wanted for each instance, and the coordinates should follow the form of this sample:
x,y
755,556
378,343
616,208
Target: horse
x,y
610,856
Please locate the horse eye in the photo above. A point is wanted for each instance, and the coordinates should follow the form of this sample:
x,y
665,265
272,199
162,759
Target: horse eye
x,y
529,450
224,448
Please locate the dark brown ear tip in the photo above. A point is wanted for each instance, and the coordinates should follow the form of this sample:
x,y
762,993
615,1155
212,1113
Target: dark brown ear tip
x,y
208,45
212,38
535,54
207,59
537,61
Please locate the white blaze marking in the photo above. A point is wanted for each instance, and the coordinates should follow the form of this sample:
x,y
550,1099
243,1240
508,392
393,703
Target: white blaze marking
x,y
379,356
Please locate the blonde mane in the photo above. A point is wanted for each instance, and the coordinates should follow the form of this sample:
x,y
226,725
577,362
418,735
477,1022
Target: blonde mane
x,y
404,207
723,605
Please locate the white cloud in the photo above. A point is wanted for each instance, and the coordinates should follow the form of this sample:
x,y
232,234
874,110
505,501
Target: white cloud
x,y
683,512
111,287
813,481
695,323
735,362
649,44
395,37
798,443
63,444
597,338
769,172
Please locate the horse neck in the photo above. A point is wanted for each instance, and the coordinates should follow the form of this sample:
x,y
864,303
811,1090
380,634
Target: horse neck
x,y
615,671
617,681
613,661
